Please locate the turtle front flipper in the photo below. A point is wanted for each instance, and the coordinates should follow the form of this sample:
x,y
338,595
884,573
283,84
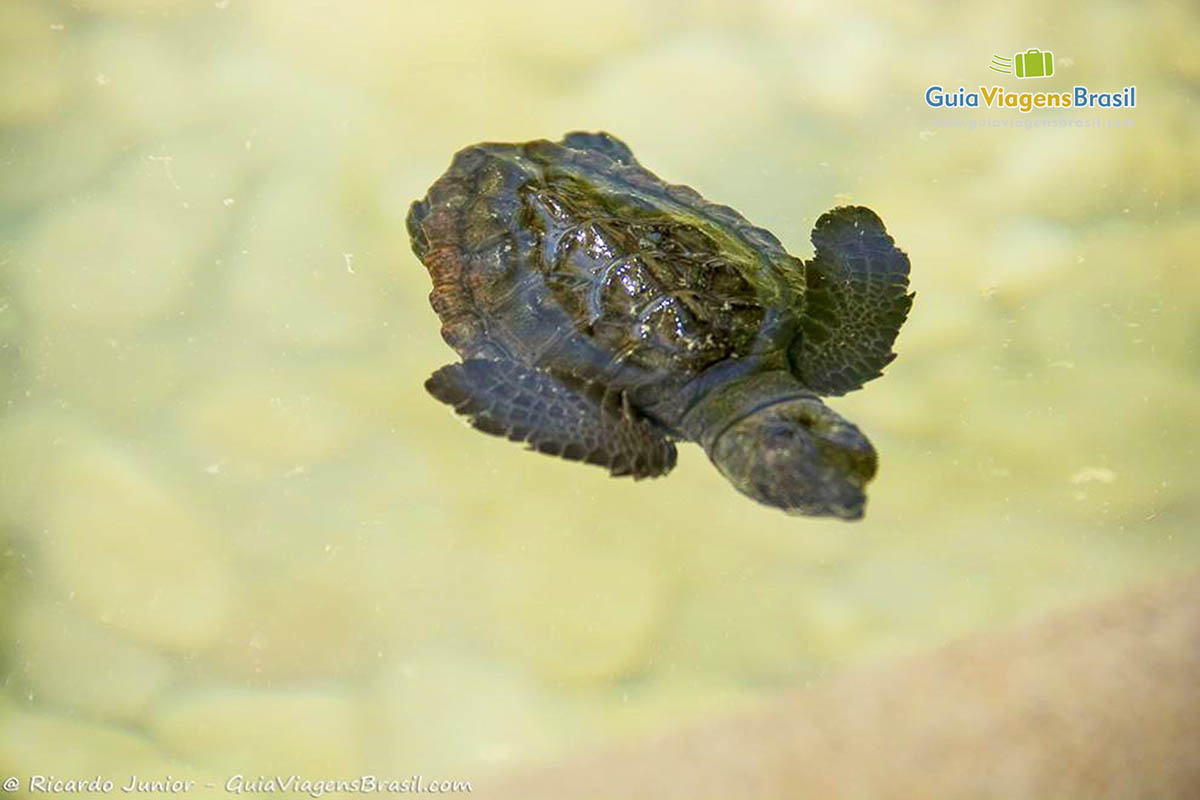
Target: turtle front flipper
x,y
554,416
856,299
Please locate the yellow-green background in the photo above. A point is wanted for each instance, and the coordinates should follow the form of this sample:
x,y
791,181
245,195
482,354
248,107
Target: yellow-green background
x,y
237,535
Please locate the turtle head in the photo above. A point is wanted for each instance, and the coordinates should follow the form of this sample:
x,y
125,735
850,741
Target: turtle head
x,y
797,455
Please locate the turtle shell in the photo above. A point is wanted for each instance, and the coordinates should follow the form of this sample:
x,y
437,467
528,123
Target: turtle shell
x,y
571,255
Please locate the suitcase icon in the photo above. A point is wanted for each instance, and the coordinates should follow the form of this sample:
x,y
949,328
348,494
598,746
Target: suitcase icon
x,y
1034,63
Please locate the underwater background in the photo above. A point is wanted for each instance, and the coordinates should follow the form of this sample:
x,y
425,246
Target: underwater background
x,y
237,536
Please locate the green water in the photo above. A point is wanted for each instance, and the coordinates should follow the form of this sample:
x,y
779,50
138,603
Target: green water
x,y
237,535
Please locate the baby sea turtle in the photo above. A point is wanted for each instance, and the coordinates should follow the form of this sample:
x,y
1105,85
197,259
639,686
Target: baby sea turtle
x,y
602,314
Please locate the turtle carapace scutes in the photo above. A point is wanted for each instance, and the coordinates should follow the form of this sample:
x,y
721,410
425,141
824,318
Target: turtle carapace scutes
x,y
602,314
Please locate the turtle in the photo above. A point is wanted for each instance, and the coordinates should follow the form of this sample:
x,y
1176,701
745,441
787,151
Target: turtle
x,y
602,314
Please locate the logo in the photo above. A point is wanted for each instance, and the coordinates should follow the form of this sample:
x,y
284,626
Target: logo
x,y
1033,63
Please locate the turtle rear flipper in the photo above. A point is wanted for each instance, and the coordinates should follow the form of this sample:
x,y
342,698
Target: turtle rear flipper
x,y
856,299
507,399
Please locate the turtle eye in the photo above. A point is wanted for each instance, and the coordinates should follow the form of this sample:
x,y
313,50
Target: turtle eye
x,y
806,419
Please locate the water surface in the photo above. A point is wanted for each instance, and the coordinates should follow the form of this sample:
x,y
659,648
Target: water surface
x,y
237,535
